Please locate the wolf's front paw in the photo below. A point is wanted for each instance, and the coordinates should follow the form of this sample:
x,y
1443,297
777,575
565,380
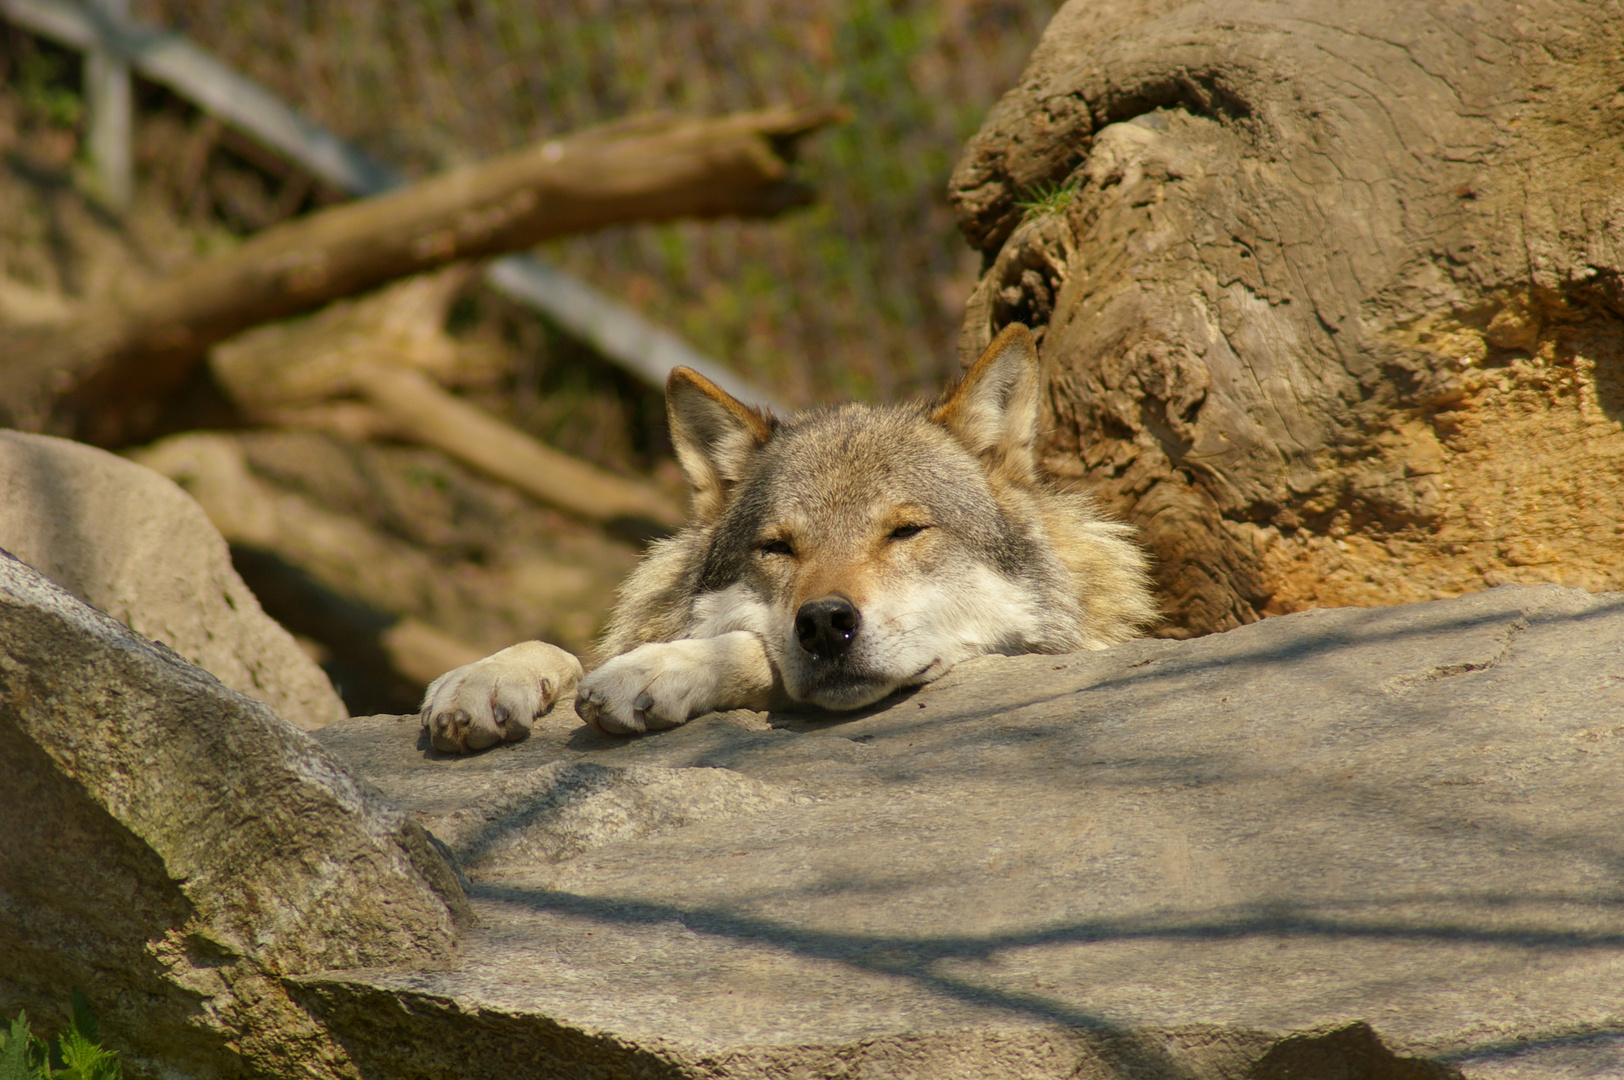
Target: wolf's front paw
x,y
495,699
652,687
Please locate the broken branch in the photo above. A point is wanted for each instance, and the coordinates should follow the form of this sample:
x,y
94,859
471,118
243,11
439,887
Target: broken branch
x,y
414,404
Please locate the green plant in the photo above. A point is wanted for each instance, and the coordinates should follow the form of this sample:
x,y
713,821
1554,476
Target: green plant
x,y
40,78
76,1054
1050,198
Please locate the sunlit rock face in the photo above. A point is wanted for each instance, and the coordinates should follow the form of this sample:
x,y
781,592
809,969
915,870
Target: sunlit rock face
x,y
1337,840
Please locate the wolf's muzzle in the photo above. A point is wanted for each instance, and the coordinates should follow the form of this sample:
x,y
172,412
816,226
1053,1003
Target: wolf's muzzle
x,y
826,625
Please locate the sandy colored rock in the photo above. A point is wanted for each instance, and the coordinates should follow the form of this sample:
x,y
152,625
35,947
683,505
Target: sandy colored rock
x,y
129,542
1330,306
1373,843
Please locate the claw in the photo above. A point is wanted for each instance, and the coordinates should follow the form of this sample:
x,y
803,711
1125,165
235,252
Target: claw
x,y
450,731
587,706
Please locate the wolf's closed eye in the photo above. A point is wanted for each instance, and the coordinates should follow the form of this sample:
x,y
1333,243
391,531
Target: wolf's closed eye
x,y
902,532
777,547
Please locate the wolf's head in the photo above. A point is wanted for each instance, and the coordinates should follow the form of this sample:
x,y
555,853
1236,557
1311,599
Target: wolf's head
x,y
875,547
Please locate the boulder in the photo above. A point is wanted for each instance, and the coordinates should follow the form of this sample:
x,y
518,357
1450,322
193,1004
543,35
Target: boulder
x,y
125,540
1364,843
176,851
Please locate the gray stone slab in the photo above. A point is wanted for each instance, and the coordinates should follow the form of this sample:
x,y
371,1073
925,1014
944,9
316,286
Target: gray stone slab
x,y
1346,842
175,850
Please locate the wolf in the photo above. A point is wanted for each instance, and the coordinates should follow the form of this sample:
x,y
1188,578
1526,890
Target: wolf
x,y
833,557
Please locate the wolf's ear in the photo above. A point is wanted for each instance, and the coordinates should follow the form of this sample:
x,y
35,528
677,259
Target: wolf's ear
x,y
994,409
715,436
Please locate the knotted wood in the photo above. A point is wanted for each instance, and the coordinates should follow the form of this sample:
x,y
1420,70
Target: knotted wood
x,y
1330,291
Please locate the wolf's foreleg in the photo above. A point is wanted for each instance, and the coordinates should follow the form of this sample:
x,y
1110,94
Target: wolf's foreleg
x,y
495,699
667,683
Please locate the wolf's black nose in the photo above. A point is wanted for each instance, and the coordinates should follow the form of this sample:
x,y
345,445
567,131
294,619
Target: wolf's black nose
x,y
826,625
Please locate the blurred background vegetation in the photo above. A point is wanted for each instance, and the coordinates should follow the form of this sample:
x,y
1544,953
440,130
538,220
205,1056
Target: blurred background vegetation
x,y
859,296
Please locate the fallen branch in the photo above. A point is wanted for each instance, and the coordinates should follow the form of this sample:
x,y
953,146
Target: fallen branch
x,y
101,377
370,368
472,435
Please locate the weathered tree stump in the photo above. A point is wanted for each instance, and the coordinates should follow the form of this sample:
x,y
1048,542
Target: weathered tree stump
x,y
1330,291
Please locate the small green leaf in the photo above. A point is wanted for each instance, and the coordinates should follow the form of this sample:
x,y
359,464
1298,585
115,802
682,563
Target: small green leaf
x,y
1050,198
17,1059
84,1021
87,1061
77,1054
80,1049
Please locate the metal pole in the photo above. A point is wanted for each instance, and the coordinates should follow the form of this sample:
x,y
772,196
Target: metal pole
x,y
108,105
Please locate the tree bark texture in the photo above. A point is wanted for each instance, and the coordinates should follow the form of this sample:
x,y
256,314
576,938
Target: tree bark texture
x,y
98,376
1329,291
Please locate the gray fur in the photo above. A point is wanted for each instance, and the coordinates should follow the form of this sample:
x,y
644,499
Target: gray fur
x,y
926,528
831,471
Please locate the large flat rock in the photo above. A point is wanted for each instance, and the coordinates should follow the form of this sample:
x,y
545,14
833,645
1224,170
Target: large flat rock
x,y
1360,843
